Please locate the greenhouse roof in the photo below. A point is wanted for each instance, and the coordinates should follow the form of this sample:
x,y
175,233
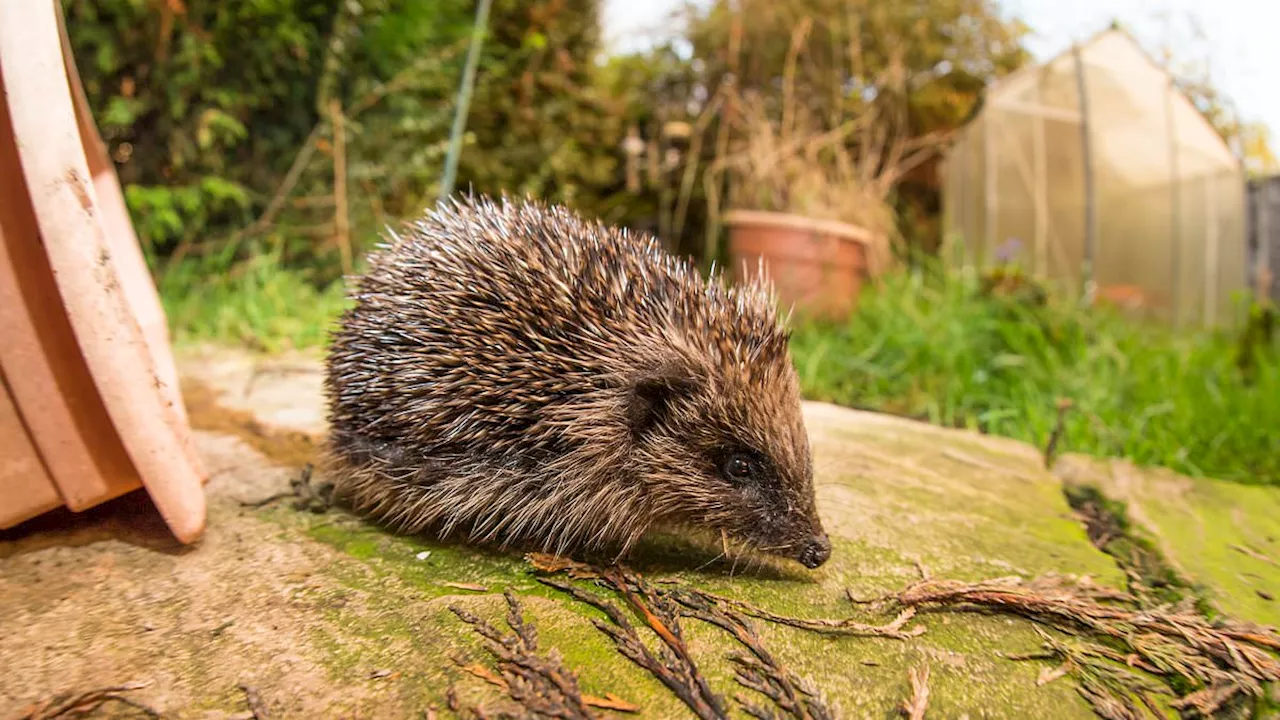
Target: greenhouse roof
x,y
1132,105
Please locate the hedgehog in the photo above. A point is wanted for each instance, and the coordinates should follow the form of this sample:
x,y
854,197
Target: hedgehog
x,y
514,373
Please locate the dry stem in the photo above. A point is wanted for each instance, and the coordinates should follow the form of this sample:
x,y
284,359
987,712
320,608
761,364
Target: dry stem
x,y
662,610
542,685
83,704
919,702
1225,659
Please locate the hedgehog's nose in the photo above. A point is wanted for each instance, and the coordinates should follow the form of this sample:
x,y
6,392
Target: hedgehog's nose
x,y
815,552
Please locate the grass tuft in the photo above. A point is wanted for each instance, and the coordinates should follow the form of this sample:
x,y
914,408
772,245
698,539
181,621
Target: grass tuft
x,y
257,303
937,348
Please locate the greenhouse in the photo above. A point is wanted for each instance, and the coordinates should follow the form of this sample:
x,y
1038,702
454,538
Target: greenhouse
x,y
1093,172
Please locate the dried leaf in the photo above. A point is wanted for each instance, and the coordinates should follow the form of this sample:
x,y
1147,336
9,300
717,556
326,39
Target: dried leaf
x,y
610,702
465,586
485,674
1048,675
919,702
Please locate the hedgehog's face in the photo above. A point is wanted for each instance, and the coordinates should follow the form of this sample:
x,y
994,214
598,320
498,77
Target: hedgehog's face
x,y
730,455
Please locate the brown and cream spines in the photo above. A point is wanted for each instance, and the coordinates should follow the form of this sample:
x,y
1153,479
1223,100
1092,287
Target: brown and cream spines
x,y
514,373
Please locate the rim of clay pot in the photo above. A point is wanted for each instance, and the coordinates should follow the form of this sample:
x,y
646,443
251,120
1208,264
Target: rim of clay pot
x,y
57,399
801,223
139,289
113,346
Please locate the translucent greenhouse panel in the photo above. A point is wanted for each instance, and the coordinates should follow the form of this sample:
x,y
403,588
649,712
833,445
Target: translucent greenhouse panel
x,y
1131,141
1041,170
971,191
1189,243
1015,188
954,212
966,191
1211,246
1066,192
1233,282
965,196
1168,201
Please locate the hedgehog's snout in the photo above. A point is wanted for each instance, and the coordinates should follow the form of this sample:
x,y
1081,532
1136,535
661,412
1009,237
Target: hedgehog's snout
x,y
814,552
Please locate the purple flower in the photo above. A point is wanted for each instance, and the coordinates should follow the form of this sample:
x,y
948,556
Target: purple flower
x,y
1008,250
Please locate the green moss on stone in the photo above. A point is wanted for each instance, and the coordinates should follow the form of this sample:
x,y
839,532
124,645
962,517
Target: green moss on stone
x,y
1222,537
889,500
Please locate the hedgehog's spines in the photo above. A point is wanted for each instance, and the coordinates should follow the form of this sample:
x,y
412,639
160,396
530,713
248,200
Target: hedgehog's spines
x,y
482,381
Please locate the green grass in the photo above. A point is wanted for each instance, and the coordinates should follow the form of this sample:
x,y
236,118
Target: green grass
x,y
257,303
937,350
942,351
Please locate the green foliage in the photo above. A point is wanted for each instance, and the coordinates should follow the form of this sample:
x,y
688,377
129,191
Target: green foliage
x,y
205,106
539,123
913,71
257,303
198,102
936,348
397,88
163,215
946,50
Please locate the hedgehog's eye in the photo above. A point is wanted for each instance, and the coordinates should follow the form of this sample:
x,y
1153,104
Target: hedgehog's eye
x,y
739,468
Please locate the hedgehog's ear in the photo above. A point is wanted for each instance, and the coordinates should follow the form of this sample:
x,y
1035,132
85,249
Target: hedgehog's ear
x,y
651,395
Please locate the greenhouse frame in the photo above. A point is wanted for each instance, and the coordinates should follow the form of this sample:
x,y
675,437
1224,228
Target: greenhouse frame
x,y
1094,173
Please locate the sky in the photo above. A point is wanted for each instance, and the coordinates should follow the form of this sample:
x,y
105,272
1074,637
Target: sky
x,y
1239,45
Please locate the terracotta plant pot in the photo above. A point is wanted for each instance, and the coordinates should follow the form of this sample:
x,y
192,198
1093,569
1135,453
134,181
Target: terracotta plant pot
x,y
86,358
28,489
818,266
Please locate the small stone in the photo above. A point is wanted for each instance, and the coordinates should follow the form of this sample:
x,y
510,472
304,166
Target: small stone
x,y
423,555
379,674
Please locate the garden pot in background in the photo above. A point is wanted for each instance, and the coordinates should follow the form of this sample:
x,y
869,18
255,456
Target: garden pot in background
x,y
818,266
86,362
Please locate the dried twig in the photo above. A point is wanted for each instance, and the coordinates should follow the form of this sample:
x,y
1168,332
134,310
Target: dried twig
x,y
709,112
1105,680
608,702
314,498
1059,428
759,671
847,626
341,214
541,684
1222,659
254,701
919,702
474,587
263,502
1254,554
82,704
662,610
611,702
673,668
